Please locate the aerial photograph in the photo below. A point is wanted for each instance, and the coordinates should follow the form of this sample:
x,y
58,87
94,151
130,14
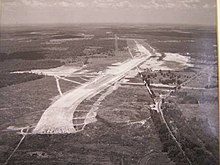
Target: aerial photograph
x,y
109,82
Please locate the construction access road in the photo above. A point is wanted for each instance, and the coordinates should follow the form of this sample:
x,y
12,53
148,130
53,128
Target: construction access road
x,y
57,119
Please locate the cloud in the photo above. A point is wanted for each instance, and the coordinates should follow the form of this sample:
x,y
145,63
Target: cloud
x,y
34,3
47,3
70,4
123,4
111,4
176,4
71,11
141,4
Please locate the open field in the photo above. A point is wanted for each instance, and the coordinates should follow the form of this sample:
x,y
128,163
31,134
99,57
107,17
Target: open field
x,y
81,111
123,132
60,43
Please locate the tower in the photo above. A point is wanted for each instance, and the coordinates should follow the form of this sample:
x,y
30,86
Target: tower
x,y
116,44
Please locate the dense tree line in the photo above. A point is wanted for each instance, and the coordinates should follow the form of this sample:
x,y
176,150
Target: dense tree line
x,y
66,36
25,55
76,48
197,142
163,77
7,79
169,145
24,65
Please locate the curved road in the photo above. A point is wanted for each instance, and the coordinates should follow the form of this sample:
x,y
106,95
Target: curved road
x,y
58,117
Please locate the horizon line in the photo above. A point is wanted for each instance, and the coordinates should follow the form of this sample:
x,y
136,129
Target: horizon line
x,y
106,23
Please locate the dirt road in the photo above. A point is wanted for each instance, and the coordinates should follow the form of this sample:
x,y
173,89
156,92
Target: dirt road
x,y
58,117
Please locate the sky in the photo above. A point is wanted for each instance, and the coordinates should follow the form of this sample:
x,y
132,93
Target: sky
x,y
18,12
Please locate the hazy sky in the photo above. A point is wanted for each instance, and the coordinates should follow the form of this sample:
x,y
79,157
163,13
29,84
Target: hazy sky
x,y
108,11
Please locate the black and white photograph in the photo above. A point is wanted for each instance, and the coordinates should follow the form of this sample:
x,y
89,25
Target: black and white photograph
x,y
109,82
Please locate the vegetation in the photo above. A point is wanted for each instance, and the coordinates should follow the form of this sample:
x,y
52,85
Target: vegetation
x,y
203,131
27,55
165,77
188,45
187,99
211,86
169,145
7,79
122,143
67,36
31,46
24,65
199,145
